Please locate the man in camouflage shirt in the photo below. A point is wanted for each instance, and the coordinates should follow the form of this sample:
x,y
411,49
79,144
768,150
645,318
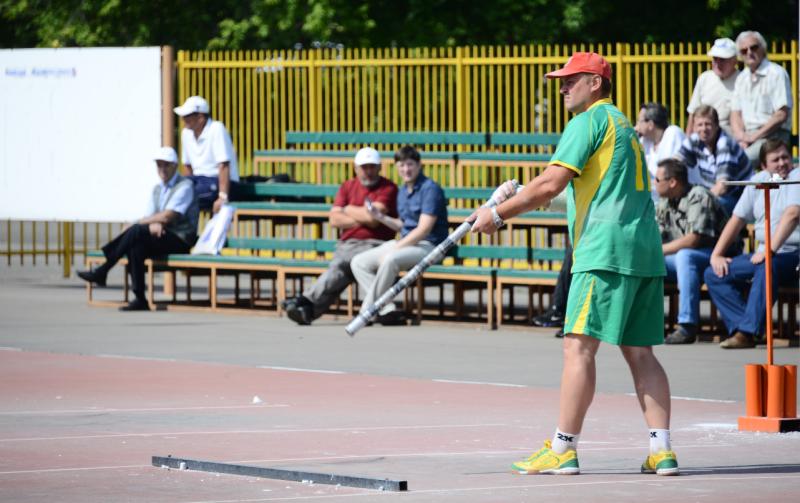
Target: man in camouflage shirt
x,y
690,220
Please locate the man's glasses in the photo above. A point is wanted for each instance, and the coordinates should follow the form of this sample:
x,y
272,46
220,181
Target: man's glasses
x,y
753,48
659,180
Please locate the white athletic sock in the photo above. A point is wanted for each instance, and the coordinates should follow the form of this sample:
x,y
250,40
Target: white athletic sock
x,y
562,442
659,441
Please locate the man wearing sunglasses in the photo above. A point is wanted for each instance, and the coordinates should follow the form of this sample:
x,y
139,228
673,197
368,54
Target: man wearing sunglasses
x,y
762,97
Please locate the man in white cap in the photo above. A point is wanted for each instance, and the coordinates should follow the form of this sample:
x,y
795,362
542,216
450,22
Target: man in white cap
x,y
207,153
169,227
761,107
422,223
715,87
360,231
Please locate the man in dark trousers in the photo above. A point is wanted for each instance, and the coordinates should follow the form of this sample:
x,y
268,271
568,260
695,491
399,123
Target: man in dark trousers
x,y
170,227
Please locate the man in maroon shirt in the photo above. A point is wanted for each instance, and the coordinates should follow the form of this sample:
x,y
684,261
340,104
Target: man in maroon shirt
x,y
360,231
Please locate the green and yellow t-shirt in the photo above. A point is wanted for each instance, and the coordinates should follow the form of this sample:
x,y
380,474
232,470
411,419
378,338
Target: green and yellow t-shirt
x,y
611,215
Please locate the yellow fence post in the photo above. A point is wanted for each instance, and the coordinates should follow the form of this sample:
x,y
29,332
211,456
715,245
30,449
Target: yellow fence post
x,y
67,248
622,82
461,115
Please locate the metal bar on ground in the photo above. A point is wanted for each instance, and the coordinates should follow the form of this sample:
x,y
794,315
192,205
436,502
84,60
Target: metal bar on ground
x,y
280,474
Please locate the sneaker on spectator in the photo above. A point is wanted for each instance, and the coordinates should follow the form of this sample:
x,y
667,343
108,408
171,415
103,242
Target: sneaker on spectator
x,y
661,463
546,461
739,340
685,333
550,318
560,334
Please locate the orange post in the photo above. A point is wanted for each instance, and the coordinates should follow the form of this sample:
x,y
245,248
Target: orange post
x,y
790,390
770,390
768,271
774,391
754,406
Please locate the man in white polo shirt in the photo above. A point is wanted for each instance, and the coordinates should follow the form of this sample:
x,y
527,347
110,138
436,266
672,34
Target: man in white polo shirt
x,y
207,153
715,87
761,107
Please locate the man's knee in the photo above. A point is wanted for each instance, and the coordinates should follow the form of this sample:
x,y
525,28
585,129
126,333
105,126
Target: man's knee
x,y
580,347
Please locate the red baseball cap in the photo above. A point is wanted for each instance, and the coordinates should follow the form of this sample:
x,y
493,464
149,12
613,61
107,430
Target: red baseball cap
x,y
583,62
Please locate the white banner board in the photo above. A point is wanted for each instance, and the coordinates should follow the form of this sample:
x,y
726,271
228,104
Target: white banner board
x,y
78,131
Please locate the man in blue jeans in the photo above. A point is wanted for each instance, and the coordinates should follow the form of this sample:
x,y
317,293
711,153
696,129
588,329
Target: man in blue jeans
x,y
728,278
690,219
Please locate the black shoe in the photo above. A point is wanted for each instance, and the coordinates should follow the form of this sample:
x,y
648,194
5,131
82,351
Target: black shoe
x,y
550,318
560,334
289,303
299,313
95,277
685,334
392,318
136,305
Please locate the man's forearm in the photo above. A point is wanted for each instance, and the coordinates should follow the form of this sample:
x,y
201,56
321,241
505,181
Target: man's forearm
x,y
774,123
691,240
729,233
789,221
162,217
224,178
737,124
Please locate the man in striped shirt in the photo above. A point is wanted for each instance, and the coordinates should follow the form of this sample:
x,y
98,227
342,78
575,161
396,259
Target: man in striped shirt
x,y
712,157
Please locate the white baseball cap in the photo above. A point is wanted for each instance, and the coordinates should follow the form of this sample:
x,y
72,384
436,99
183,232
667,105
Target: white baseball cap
x,y
192,105
367,155
166,154
723,48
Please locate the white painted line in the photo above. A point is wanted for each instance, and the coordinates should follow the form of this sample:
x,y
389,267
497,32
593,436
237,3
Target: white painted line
x,y
95,410
507,385
295,369
355,429
693,399
145,358
5,348
83,469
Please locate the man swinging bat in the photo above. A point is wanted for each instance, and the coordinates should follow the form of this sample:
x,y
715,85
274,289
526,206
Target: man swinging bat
x,y
617,290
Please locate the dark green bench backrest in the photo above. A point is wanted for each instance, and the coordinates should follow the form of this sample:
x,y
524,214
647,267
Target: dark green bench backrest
x,y
498,252
375,138
286,189
329,190
481,193
278,244
526,139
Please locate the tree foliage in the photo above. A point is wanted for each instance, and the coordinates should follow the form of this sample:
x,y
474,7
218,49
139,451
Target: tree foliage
x,y
286,24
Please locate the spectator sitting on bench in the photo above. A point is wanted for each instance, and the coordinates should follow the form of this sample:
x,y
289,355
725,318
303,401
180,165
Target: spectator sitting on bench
x,y
207,153
761,107
422,225
728,278
690,220
361,231
170,227
660,140
712,157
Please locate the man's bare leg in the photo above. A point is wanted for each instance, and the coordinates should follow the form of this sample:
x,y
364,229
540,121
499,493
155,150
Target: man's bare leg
x,y
577,381
652,385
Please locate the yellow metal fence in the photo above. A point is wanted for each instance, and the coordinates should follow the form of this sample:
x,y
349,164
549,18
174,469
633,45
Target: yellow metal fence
x,y
260,95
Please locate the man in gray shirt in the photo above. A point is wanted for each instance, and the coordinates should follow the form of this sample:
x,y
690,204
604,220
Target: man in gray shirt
x,y
728,278
690,220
